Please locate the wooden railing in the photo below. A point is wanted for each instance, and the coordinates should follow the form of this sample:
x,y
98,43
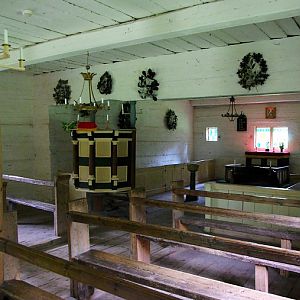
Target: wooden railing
x,y
59,208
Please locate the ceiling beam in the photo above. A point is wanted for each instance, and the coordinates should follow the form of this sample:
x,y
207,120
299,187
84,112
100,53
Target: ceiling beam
x,y
196,19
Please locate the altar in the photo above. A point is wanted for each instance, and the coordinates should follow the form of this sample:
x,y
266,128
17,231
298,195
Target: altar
x,y
262,168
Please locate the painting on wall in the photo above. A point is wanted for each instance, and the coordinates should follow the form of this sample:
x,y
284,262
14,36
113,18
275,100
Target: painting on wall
x,y
270,112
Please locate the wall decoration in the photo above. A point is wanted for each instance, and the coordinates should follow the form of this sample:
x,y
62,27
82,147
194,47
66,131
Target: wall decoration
x,y
105,84
252,71
171,119
241,124
62,92
148,86
270,112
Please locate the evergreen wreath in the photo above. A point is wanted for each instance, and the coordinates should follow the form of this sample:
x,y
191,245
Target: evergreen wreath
x,y
148,86
105,84
171,119
62,91
252,71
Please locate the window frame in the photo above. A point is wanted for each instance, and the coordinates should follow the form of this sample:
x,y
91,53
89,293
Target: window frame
x,y
207,134
271,146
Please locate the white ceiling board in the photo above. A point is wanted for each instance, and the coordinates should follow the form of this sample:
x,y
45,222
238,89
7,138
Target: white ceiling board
x,y
198,41
27,29
225,37
62,30
177,4
47,17
187,46
253,32
272,30
212,39
116,55
170,46
145,50
239,34
102,10
196,19
289,26
128,7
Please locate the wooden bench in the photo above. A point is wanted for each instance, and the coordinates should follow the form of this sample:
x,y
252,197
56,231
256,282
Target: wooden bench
x,y
263,256
21,290
129,279
61,189
138,271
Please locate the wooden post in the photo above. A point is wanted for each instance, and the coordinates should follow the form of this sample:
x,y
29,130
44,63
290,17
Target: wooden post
x,y
177,214
61,203
286,244
140,248
10,268
5,202
79,242
261,278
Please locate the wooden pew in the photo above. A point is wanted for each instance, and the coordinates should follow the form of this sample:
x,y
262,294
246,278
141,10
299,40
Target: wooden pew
x,y
262,256
21,290
182,284
131,279
61,191
280,200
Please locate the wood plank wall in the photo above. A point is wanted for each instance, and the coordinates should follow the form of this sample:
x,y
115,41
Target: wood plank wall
x,y
156,145
198,74
233,144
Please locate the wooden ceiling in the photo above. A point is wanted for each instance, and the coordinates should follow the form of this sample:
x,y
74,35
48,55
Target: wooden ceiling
x,y
59,33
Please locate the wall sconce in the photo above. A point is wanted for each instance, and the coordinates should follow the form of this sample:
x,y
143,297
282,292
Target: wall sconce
x,y
6,54
231,113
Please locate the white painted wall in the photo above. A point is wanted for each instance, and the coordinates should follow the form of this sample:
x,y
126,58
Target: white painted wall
x,y
16,123
156,145
22,140
232,143
196,74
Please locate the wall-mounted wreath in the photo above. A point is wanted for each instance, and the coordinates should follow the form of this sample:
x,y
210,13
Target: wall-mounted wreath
x,y
62,92
148,86
105,84
252,71
171,119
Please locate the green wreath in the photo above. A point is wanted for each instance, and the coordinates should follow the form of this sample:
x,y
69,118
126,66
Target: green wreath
x,y
253,70
171,119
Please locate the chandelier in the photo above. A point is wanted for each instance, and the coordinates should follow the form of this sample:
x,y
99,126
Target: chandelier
x,y
6,54
231,113
86,105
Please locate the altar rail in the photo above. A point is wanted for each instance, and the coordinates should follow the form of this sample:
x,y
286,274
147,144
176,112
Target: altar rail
x,y
61,191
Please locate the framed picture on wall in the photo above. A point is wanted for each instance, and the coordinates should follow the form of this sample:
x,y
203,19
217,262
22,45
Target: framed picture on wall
x,y
270,112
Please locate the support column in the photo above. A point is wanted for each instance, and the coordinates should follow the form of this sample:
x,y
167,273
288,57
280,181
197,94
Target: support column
x,y
177,214
140,248
79,242
285,244
261,278
62,198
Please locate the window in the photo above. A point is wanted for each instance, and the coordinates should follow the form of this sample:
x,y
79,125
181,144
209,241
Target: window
x,y
271,137
211,134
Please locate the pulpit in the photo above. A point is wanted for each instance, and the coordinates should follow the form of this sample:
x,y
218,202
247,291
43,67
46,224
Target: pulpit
x,y
104,160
